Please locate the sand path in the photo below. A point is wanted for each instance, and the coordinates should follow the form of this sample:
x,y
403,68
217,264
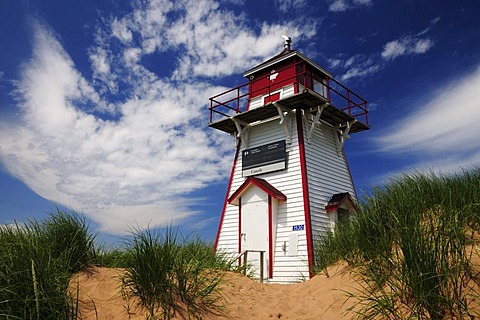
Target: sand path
x,y
100,297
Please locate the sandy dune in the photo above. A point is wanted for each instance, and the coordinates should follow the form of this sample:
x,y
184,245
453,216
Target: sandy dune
x,y
100,297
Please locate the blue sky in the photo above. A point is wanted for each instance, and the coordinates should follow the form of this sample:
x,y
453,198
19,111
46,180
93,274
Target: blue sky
x,y
103,104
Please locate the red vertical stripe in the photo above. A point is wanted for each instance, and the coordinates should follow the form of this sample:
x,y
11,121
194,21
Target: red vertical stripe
x,y
306,199
270,237
240,230
226,196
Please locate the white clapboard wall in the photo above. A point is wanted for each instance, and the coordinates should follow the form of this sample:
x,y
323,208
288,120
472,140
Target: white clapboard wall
x,y
327,174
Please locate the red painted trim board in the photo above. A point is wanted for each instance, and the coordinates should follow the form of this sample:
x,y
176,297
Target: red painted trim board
x,y
270,237
306,199
239,230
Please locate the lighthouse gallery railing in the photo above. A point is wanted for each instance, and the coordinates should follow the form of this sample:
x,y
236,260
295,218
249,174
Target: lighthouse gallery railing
x,y
237,100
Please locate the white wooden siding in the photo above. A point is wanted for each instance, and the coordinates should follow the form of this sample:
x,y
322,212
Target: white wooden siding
x,y
284,92
285,268
327,173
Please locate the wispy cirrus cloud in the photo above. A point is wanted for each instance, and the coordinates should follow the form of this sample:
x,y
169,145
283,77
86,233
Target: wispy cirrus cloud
x,y
130,145
364,65
406,45
356,66
286,6
409,44
344,5
442,134
207,41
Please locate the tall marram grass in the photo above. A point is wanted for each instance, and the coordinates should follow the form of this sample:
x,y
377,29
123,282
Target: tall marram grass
x,y
36,262
112,258
170,274
414,243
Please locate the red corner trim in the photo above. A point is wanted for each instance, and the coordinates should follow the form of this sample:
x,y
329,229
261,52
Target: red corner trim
x,y
270,237
306,199
240,230
226,196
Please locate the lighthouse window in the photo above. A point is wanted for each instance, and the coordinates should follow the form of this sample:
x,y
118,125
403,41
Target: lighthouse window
x,y
342,216
319,87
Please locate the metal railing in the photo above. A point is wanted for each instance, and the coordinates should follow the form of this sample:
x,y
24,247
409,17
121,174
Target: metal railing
x,y
244,262
237,100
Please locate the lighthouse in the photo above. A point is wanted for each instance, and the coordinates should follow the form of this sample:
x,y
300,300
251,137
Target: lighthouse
x,y
290,181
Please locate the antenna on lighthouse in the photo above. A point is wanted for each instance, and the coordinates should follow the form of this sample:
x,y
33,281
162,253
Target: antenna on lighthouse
x,y
288,42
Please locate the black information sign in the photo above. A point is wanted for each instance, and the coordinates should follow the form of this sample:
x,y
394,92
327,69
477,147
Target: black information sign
x,y
266,158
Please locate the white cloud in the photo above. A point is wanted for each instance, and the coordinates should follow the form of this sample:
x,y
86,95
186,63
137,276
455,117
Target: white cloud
x,y
286,6
334,63
433,22
422,46
363,65
443,132
361,70
121,172
13,227
208,41
102,71
100,62
344,5
406,45
356,66
131,56
121,30
136,165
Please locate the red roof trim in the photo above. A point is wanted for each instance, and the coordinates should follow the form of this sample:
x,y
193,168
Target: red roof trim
x,y
284,55
329,208
261,184
266,62
338,199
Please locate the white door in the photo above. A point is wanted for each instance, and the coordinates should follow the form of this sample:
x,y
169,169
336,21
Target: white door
x,y
255,234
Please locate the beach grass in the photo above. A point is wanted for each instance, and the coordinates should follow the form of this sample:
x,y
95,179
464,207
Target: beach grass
x,y
171,274
36,262
112,258
167,272
414,245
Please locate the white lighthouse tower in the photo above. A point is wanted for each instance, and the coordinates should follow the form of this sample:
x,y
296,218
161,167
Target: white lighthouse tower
x,y
290,179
